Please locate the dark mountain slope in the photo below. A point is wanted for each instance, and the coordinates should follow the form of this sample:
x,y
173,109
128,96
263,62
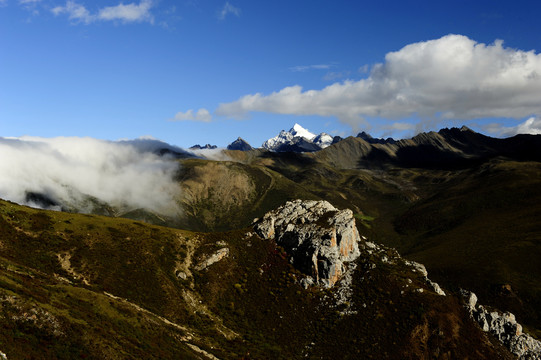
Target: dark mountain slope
x,y
447,149
482,232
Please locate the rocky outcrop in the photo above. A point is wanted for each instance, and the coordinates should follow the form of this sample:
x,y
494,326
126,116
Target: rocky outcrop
x,y
212,259
504,327
319,238
420,268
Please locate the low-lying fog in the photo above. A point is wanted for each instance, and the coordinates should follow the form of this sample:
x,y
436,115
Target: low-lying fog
x,y
64,172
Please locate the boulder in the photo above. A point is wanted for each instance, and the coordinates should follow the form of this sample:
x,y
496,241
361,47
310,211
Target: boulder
x,y
319,238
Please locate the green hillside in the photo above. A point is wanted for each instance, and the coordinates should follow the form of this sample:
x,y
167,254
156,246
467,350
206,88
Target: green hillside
x,y
80,286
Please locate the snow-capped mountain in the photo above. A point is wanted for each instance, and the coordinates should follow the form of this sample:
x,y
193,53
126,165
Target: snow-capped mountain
x,y
298,139
298,130
323,140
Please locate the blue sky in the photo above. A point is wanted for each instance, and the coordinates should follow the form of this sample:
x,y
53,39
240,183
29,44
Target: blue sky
x,y
190,72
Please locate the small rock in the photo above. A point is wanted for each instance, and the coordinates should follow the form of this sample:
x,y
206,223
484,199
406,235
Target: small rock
x,y
182,275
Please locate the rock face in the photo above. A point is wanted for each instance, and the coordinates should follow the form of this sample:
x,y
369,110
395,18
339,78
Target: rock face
x,y
319,238
504,327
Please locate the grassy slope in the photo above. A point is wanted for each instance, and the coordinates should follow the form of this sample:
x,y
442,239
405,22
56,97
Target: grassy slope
x,y
117,296
221,196
46,305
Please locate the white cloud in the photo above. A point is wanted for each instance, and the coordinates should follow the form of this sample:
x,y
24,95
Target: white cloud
x,y
24,2
126,174
202,115
452,77
228,9
75,12
125,13
530,126
128,13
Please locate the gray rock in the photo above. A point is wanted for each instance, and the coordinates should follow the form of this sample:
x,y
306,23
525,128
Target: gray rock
x,y
212,259
319,238
420,268
504,327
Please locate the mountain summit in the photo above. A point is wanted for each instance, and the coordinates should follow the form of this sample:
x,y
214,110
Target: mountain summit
x,y
298,139
239,144
298,130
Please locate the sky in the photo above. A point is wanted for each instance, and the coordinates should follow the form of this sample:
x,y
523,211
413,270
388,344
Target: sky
x,y
196,72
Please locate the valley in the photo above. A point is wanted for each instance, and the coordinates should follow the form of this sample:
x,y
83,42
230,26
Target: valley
x,y
464,205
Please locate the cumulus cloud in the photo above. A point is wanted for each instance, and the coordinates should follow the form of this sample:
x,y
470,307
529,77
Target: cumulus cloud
x,y
530,126
202,115
128,13
453,77
125,13
69,171
228,9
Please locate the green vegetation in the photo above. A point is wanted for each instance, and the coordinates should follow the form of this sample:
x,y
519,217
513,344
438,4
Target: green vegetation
x,y
80,286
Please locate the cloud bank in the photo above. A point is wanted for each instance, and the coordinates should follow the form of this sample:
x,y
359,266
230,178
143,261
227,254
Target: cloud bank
x,y
453,77
125,13
69,170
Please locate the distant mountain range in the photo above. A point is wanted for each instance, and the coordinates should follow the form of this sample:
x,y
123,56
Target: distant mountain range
x,y
447,148
204,147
